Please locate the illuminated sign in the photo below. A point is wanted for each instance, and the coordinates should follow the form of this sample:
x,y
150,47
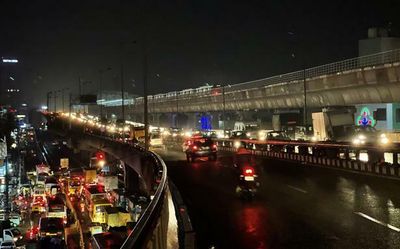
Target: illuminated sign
x,y
365,118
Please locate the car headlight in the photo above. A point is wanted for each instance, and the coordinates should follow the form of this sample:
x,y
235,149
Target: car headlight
x,y
237,144
361,137
356,141
384,140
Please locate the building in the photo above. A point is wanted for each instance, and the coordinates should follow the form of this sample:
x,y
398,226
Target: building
x,y
384,117
378,40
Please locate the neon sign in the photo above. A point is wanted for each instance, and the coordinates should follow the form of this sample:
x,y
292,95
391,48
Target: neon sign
x,y
365,118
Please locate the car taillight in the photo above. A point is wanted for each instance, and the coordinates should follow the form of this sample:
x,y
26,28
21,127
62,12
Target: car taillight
x,y
214,146
195,147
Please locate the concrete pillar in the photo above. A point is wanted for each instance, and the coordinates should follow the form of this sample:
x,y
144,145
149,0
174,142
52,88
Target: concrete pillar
x,y
276,122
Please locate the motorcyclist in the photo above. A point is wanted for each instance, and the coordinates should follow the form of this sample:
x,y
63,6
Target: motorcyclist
x,y
245,167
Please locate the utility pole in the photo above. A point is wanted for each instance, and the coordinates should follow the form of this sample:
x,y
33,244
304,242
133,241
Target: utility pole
x,y
55,101
177,108
48,101
145,111
305,98
6,201
79,86
223,108
101,71
122,91
70,109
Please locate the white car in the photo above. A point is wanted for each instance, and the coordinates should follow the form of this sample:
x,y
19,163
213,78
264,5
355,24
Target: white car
x,y
7,245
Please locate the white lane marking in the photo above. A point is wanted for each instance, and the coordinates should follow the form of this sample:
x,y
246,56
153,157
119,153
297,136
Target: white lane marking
x,y
297,189
378,221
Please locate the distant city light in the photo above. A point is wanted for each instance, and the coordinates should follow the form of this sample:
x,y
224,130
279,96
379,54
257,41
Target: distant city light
x,y
10,60
44,107
12,90
11,78
24,104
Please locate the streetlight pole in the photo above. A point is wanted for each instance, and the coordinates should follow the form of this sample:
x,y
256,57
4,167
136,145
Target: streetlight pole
x,y
63,98
145,111
55,101
177,109
122,92
223,108
48,101
80,86
70,109
101,71
305,98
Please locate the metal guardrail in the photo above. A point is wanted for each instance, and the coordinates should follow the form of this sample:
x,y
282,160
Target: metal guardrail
x,y
327,155
356,63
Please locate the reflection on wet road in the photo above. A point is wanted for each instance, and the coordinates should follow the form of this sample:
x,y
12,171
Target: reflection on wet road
x,y
295,207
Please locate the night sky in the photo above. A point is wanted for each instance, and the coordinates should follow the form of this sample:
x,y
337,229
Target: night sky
x,y
189,43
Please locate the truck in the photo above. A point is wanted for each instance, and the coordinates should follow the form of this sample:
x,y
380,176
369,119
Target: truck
x,y
57,208
90,175
116,217
332,124
64,163
109,182
42,168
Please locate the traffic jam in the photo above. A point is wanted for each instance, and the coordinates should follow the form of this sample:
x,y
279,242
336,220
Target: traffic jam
x,y
64,203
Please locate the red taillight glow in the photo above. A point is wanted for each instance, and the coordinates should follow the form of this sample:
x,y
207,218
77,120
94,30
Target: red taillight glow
x,y
195,147
248,171
214,146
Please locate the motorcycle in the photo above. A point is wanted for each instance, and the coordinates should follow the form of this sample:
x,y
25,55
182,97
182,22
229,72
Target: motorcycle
x,y
248,184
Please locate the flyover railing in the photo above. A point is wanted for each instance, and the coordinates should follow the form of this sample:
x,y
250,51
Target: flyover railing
x,y
150,230
356,63
382,58
369,159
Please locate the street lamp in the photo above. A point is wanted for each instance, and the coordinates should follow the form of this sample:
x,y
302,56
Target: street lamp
x,y
224,107
177,108
48,96
101,71
55,101
62,92
292,35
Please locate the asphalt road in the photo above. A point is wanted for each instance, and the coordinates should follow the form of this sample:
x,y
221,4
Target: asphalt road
x,y
296,207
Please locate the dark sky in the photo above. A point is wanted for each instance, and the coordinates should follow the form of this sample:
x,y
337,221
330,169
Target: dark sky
x,y
189,43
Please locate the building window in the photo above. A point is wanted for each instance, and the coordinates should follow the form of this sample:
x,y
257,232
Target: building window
x,y
380,114
397,115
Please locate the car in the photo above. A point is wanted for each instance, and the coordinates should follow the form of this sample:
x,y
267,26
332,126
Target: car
x,y
7,245
202,147
277,136
51,227
38,205
156,141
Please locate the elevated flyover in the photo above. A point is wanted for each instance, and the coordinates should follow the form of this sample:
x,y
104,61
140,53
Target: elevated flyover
x,y
369,79
144,171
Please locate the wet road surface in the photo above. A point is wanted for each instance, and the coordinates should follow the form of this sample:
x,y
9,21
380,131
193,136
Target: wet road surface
x,y
296,207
